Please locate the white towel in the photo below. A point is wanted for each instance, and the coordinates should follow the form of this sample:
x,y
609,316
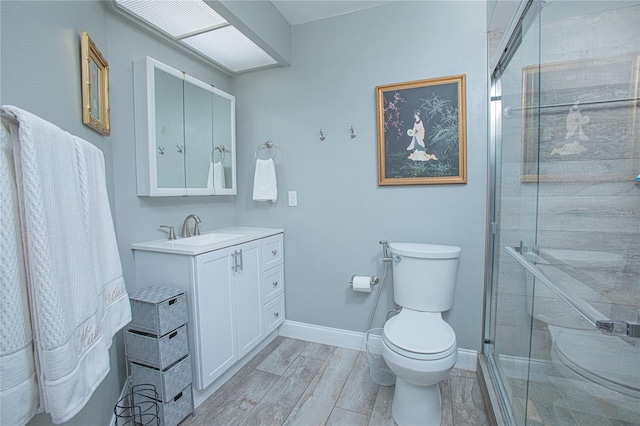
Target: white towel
x,y
18,385
218,176
77,294
265,184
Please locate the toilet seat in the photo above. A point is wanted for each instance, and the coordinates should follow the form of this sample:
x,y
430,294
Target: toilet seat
x,y
603,359
419,335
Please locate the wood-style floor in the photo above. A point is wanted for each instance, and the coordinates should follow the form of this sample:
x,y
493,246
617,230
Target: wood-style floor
x,y
294,382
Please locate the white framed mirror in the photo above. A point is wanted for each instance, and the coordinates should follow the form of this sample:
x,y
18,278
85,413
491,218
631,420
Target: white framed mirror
x,y
185,134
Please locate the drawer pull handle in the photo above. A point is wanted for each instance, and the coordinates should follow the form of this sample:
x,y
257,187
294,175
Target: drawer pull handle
x,y
172,301
274,252
275,283
172,335
177,397
276,314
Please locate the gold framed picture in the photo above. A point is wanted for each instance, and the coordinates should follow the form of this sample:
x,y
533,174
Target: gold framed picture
x,y
95,86
422,132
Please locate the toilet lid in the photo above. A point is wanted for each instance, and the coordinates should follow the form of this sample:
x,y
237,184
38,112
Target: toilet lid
x,y
420,335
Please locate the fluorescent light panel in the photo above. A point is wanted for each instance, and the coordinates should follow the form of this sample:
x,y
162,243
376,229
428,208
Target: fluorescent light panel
x,y
175,17
231,48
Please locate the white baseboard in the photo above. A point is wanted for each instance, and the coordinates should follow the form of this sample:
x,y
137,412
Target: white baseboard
x,y
467,358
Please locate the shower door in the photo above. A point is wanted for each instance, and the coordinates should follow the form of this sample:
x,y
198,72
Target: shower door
x,y
565,217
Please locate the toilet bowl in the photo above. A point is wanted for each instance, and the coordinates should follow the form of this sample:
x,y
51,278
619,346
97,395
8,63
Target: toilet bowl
x,y
418,345
420,349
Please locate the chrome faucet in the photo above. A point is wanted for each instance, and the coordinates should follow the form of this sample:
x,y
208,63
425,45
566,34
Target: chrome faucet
x,y
185,226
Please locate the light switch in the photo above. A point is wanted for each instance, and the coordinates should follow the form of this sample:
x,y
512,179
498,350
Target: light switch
x,y
293,198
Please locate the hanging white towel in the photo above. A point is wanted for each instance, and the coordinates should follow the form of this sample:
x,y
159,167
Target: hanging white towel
x,y
77,295
265,184
218,176
18,385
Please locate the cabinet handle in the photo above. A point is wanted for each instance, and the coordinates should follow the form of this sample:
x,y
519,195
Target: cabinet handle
x,y
241,265
172,301
177,397
275,283
274,252
234,266
276,314
172,335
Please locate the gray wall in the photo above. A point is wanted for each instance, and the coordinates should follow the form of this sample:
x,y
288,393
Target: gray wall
x,y
40,72
342,213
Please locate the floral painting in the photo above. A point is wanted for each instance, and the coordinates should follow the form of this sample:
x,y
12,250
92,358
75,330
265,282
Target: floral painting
x,y
421,132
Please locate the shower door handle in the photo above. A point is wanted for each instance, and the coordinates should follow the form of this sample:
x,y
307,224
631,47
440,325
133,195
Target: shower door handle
x,y
625,328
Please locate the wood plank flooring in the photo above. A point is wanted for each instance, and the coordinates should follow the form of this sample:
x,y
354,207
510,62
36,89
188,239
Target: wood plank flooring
x,y
294,382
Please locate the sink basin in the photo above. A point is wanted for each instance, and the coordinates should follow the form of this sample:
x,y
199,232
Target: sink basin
x,y
204,239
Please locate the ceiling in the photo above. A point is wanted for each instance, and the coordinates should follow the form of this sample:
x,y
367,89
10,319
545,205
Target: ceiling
x,y
193,25
303,11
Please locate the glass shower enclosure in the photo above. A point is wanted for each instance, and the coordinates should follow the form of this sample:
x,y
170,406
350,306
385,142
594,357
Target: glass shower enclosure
x,y
563,283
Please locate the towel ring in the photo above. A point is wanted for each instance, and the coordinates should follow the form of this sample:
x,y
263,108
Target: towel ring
x,y
222,151
267,145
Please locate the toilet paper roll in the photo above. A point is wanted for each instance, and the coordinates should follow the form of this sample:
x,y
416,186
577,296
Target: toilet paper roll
x,y
361,284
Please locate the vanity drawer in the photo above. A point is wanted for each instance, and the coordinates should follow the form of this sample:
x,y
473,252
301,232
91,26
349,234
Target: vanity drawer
x,y
272,283
271,251
159,352
273,314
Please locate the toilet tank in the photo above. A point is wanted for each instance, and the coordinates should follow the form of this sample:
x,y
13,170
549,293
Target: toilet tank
x,y
424,276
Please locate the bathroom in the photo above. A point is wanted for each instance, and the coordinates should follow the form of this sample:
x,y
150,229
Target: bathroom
x,y
342,213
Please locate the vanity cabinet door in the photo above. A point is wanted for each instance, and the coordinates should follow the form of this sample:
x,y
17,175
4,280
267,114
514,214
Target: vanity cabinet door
x,y
247,293
214,308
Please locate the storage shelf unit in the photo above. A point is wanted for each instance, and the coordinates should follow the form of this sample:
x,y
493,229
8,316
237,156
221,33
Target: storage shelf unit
x,y
157,350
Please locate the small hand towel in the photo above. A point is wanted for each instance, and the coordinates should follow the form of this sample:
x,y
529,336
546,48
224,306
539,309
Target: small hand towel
x,y
218,176
265,184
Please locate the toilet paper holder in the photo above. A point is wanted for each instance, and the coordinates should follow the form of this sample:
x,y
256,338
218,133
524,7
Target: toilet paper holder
x,y
374,280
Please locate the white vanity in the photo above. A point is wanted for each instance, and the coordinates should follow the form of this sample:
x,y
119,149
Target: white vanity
x,y
234,282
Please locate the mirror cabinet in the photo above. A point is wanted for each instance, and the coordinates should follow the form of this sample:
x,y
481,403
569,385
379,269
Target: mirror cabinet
x,y
185,134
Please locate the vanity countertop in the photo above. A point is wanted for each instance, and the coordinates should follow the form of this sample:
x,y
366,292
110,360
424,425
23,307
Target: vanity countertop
x,y
209,241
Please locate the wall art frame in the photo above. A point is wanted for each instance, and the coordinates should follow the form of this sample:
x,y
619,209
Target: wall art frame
x,y
575,127
95,87
422,132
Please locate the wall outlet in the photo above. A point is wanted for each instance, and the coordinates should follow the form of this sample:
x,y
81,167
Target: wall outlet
x,y
293,198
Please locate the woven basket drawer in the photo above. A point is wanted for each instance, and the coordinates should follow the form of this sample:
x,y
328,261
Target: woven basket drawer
x,y
177,408
168,382
159,352
158,310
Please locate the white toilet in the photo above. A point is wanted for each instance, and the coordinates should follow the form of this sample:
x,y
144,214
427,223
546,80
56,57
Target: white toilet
x,y
418,345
